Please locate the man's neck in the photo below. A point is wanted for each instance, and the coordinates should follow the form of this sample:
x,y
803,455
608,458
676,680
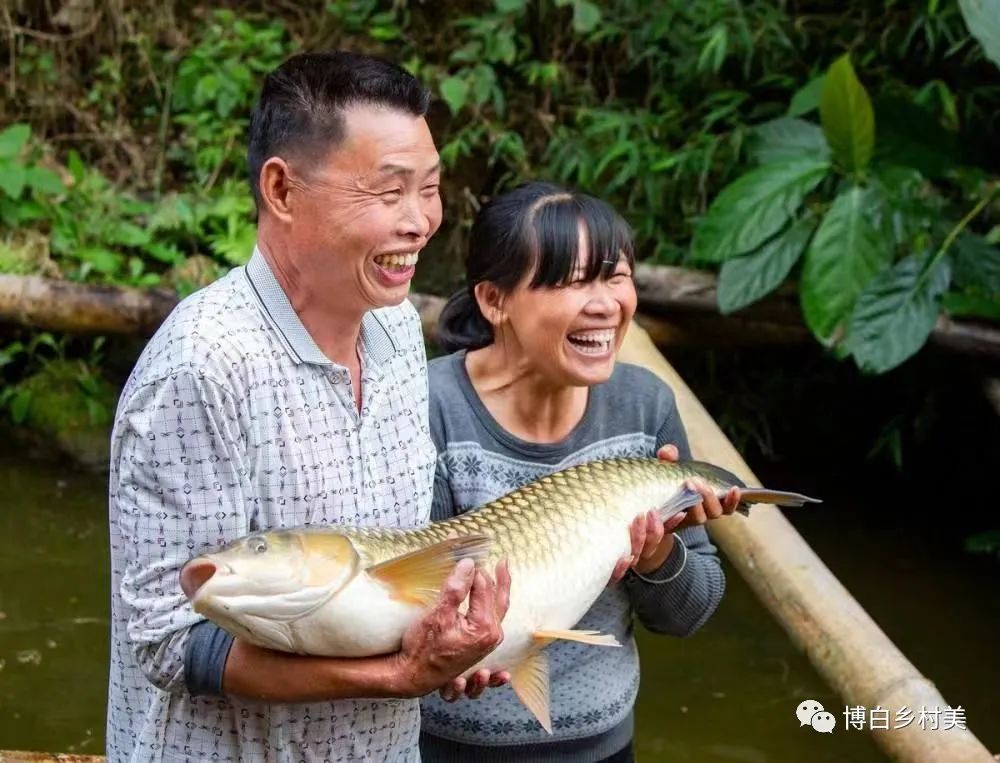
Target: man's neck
x,y
333,322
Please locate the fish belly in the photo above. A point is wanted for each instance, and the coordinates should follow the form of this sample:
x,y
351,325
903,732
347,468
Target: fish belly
x,y
555,592
362,620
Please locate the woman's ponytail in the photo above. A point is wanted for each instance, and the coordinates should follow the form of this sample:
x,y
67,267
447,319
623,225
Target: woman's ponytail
x,y
462,325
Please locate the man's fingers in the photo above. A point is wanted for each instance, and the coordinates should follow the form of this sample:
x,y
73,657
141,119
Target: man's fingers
x,y
477,684
454,690
499,678
731,501
457,586
668,453
481,598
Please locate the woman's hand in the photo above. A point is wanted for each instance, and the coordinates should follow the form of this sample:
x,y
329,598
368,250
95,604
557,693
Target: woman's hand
x,y
652,540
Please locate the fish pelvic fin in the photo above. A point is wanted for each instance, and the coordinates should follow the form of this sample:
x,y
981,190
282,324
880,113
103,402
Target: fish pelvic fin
x,y
417,577
753,495
595,638
530,681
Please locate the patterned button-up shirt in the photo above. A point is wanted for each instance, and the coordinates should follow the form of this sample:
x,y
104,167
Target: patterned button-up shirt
x,y
233,421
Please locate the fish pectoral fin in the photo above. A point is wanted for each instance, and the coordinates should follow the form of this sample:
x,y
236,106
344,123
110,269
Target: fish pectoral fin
x,y
418,576
530,681
596,638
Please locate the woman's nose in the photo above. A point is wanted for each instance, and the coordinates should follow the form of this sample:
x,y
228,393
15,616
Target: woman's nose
x,y
602,301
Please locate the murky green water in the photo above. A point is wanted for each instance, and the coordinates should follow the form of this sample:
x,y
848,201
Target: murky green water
x,y
726,694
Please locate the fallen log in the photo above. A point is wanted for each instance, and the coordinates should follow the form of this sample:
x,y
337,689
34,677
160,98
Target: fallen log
x,y
50,304
683,295
822,618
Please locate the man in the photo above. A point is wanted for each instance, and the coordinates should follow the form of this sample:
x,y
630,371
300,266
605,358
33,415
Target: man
x,y
291,392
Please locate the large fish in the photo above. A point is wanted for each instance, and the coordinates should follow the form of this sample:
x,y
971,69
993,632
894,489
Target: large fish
x,y
352,592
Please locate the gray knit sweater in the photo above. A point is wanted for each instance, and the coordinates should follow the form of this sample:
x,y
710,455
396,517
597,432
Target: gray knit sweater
x,y
592,690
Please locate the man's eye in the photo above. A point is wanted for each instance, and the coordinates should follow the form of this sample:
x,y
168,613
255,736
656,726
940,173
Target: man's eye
x,y
391,195
429,190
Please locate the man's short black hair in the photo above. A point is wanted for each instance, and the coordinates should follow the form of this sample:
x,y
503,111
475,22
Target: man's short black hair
x,y
301,106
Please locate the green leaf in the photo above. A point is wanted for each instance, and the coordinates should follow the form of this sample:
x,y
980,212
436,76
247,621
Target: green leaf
x,y
100,259
12,180
848,120
13,139
983,19
807,98
753,208
895,313
785,139
976,264
586,16
44,181
746,279
987,542
844,255
19,405
455,91
509,6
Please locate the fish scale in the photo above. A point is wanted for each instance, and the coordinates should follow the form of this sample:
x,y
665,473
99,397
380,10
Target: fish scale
x,y
361,588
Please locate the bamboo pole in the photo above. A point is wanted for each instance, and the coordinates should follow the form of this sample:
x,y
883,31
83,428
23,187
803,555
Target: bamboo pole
x,y
822,618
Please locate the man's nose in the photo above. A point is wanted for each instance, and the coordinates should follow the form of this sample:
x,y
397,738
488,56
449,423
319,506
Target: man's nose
x,y
195,574
414,222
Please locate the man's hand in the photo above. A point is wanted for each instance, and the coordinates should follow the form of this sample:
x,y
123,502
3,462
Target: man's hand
x,y
445,643
652,540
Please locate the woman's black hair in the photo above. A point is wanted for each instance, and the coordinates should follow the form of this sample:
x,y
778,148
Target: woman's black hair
x,y
534,228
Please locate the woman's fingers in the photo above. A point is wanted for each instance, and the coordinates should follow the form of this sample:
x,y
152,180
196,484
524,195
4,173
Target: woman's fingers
x,y
654,534
668,453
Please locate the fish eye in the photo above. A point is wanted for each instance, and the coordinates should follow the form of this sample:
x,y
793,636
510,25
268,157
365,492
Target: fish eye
x,y
257,545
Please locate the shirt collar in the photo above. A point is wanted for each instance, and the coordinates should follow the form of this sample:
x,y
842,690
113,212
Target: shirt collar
x,y
376,341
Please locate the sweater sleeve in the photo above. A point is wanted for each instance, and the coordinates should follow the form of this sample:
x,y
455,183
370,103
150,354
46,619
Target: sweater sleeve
x,y
682,605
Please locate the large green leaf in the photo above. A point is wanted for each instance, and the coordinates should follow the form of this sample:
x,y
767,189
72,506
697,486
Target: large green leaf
x,y
785,139
847,117
806,99
983,20
895,313
755,207
12,179
976,264
966,305
455,92
844,255
12,140
746,279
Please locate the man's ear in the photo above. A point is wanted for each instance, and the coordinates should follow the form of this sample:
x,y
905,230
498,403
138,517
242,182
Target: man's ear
x,y
490,300
275,188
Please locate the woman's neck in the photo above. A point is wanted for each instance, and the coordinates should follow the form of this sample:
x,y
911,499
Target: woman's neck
x,y
522,401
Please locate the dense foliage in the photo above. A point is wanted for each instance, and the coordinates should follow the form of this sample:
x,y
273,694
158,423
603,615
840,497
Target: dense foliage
x,y
843,146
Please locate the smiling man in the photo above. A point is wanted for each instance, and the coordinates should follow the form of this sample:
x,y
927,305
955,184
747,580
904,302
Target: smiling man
x,y
291,392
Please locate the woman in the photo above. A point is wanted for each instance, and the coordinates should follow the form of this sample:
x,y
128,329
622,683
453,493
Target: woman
x,y
533,388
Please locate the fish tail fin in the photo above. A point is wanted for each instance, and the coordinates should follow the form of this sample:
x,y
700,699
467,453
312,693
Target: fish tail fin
x,y
752,495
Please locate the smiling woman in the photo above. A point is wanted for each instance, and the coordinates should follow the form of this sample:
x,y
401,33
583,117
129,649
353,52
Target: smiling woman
x,y
532,389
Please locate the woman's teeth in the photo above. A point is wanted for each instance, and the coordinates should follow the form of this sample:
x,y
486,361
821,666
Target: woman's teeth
x,y
593,342
397,261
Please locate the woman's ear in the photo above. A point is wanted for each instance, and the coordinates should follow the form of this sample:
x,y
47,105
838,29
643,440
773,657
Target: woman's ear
x,y
490,300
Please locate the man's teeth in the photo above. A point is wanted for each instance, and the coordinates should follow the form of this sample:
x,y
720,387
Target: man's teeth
x,y
593,342
397,261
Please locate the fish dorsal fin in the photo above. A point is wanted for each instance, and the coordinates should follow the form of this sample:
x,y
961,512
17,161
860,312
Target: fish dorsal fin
x,y
530,681
716,473
417,577
595,638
